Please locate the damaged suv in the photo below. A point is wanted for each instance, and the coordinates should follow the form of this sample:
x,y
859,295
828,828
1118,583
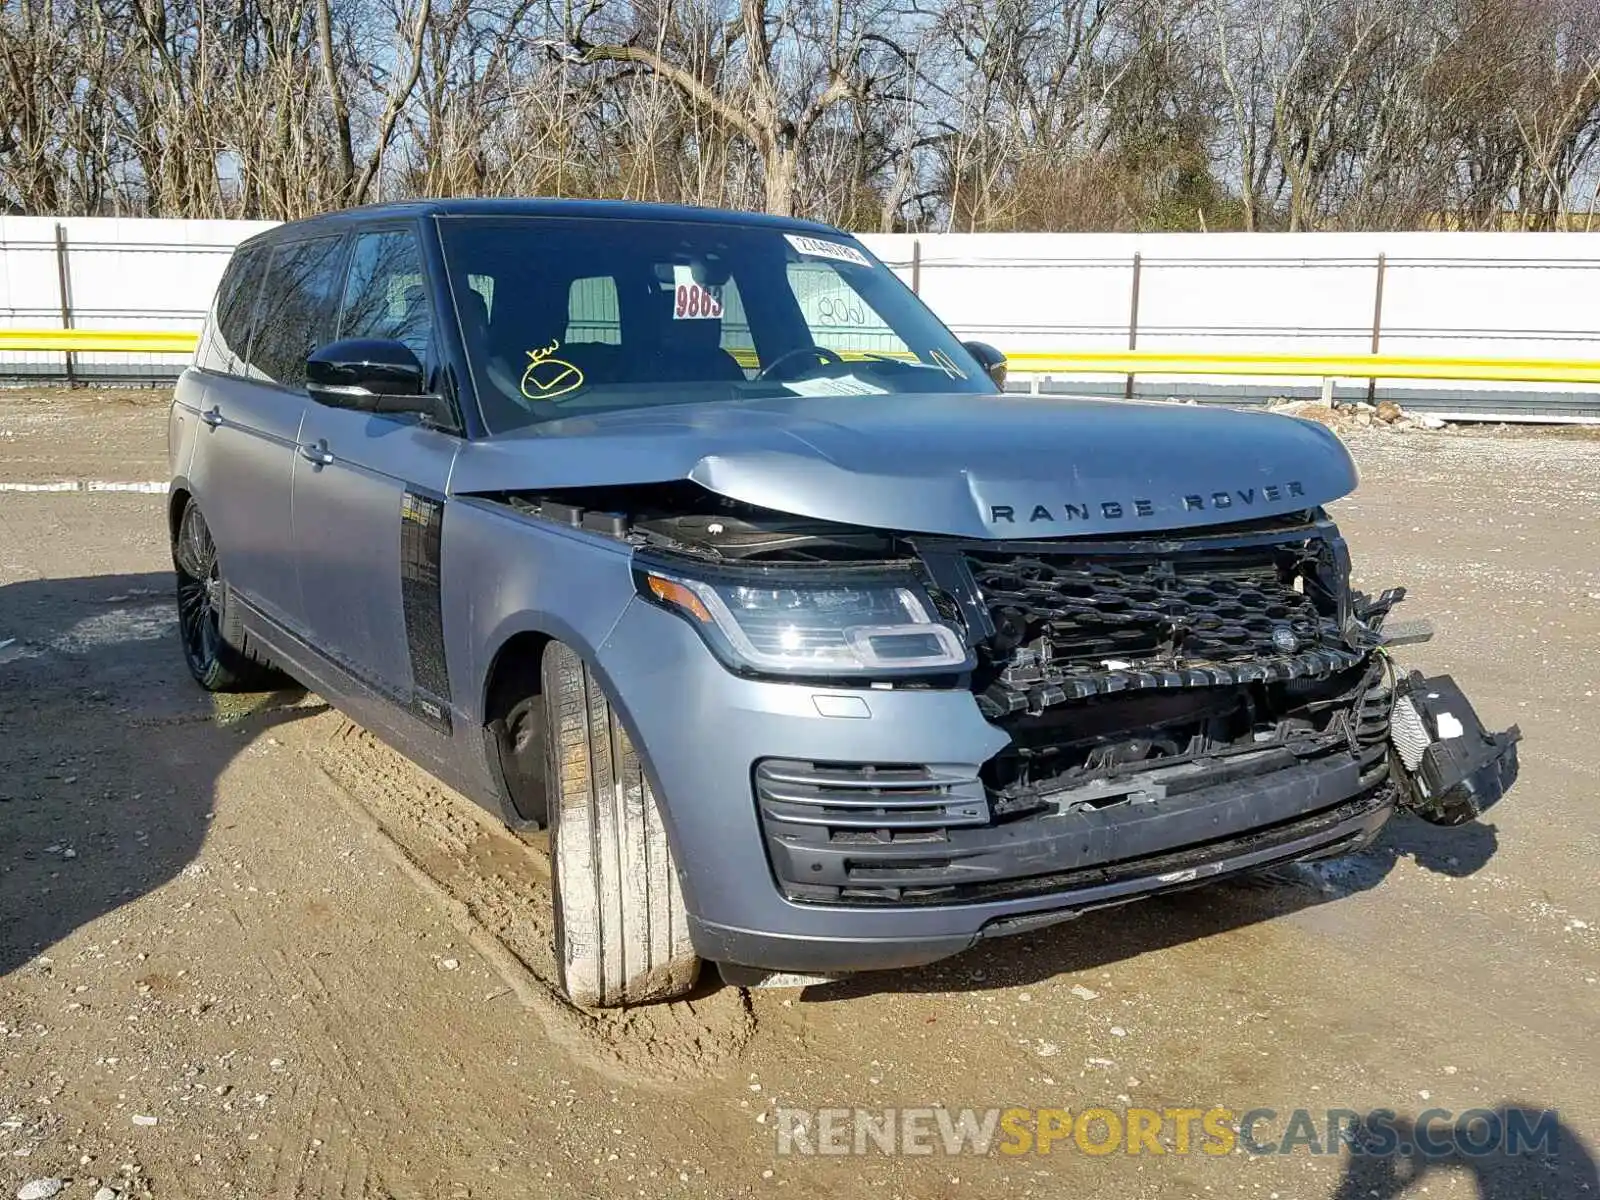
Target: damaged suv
x,y
694,537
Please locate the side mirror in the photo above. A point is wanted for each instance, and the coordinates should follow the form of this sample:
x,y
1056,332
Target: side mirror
x,y
370,375
990,359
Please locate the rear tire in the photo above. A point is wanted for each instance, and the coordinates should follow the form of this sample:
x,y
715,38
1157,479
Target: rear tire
x,y
621,929
208,618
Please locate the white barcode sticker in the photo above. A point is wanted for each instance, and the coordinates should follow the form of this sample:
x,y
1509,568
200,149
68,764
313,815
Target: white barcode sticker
x,y
814,247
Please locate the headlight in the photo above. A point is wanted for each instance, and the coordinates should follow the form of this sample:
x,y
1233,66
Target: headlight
x,y
813,626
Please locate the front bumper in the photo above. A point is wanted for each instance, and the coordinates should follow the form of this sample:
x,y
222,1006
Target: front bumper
x,y
1340,830
1139,834
702,731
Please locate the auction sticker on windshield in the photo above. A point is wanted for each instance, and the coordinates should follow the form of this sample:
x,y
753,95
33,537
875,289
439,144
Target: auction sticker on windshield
x,y
693,302
822,248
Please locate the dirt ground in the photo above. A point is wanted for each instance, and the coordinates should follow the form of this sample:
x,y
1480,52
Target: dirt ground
x,y
246,950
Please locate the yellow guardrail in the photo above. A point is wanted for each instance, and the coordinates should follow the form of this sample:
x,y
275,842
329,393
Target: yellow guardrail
x,y
1326,366
1080,362
115,341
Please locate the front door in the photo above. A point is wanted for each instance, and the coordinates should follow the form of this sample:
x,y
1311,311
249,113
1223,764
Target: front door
x,y
369,502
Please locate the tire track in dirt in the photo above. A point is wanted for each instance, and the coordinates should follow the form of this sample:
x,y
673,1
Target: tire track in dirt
x,y
496,890
320,1149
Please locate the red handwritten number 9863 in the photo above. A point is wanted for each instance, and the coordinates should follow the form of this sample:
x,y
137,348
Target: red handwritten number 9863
x,y
693,302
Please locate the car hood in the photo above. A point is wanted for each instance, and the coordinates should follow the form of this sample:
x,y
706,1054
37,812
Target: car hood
x,y
999,466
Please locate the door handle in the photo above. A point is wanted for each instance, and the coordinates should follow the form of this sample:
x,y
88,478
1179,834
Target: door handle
x,y
212,416
317,452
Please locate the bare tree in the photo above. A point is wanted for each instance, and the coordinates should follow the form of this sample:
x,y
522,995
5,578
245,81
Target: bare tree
x,y
766,72
887,114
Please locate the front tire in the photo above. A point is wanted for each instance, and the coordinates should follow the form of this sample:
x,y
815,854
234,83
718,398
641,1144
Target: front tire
x,y
207,618
621,929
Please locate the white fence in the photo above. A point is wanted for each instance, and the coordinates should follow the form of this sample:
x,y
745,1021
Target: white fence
x,y
108,273
1449,294
1473,295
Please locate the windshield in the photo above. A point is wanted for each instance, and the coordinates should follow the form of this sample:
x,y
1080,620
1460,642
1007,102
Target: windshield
x,y
562,317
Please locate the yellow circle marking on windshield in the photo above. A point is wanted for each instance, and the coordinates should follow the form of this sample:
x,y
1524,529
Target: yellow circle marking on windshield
x,y
545,378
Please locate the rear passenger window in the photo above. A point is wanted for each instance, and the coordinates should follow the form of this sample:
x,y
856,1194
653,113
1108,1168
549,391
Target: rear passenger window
x,y
484,286
736,339
228,335
593,314
385,292
296,309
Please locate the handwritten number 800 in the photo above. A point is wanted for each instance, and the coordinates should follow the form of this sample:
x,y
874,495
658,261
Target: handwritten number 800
x,y
840,311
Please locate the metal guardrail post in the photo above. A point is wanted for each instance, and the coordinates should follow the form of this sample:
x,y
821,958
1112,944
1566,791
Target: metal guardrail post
x,y
64,284
1133,317
1377,323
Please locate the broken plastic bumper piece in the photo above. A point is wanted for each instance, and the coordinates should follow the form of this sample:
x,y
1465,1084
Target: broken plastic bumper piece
x,y
1453,768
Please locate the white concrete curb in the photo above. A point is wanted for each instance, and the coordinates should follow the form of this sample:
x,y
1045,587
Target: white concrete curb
x,y
152,487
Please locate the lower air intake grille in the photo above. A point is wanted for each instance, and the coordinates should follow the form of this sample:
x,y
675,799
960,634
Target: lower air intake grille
x,y
866,831
875,801
852,833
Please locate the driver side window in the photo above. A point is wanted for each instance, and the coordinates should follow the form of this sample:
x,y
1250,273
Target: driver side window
x,y
385,291
295,308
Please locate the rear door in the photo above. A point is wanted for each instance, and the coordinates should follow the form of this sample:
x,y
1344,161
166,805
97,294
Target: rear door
x,y
242,465
369,499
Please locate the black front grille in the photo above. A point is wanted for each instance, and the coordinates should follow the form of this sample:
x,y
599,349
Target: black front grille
x,y
1072,625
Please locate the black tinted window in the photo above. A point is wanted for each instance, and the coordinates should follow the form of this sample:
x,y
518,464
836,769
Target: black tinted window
x,y
228,335
385,293
296,309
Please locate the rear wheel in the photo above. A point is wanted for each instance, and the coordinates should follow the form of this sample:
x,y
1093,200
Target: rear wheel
x,y
621,929
207,619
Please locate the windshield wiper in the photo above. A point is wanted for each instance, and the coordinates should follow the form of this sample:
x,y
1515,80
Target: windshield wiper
x,y
878,356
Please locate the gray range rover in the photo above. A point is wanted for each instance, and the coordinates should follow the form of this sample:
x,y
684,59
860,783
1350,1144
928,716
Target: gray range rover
x,y
695,537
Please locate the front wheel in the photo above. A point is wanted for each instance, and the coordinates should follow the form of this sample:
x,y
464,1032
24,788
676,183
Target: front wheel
x,y
212,644
621,929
